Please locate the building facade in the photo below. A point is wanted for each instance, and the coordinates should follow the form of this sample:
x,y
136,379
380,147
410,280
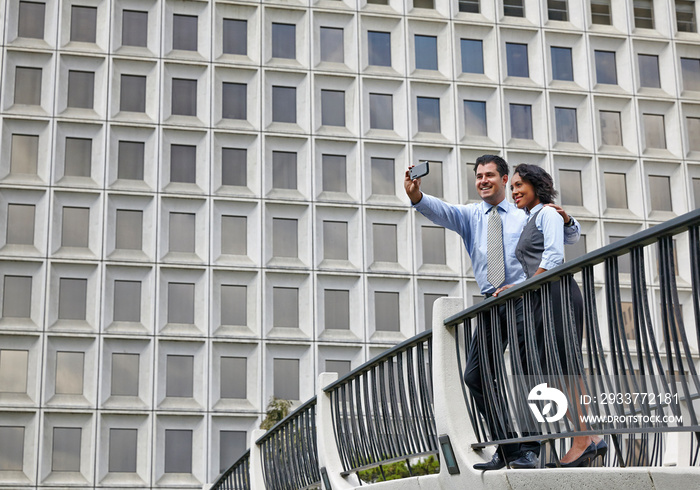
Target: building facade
x,y
202,206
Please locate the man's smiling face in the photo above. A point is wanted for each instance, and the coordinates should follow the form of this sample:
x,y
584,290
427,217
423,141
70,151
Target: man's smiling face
x,y
490,185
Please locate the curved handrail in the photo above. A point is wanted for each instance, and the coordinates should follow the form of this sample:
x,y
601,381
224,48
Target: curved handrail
x,y
237,477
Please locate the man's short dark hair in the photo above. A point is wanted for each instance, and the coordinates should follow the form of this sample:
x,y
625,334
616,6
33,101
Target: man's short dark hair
x,y
501,164
539,179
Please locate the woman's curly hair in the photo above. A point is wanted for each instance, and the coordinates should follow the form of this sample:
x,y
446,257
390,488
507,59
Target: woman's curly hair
x,y
539,179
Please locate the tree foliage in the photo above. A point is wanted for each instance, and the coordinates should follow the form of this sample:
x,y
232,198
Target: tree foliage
x,y
276,410
398,470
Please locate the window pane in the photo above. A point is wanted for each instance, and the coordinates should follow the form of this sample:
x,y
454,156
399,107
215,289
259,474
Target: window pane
x,y
234,235
649,71
386,311
521,121
383,181
566,124
432,184
125,374
644,13
335,240
286,379
78,157
122,450
83,23
285,306
66,449
69,373
336,309
31,20
20,224
615,190
426,52
285,242
472,52
433,240
696,192
27,85
233,377
25,154
516,56
562,64
471,6
381,114
232,445
623,261
234,305
379,48
134,28
570,188
72,298
81,89
685,16
575,250
234,167
600,12
693,133
184,97
556,10
283,40
428,303
654,132
428,114
179,374
332,107
75,230
332,44
605,68
423,4
178,451
133,93
127,301
183,163
611,128
513,8
235,33
384,247
334,173
17,296
180,303
234,101
284,104
690,69
130,160
284,170
129,229
475,118
12,448
13,372
340,367
185,32
660,193
181,232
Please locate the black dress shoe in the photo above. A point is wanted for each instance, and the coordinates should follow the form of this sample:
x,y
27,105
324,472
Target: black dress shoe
x,y
526,461
496,463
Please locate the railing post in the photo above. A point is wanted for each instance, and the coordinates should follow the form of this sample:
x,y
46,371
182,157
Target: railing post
x,y
257,478
328,455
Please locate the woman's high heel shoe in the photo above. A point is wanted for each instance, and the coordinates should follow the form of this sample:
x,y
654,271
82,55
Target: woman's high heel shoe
x,y
601,449
582,461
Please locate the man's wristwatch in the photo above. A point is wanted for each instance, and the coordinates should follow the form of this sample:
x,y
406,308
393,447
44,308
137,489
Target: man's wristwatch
x,y
570,222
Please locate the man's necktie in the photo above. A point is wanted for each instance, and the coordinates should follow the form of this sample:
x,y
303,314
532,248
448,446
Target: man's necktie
x,y
495,270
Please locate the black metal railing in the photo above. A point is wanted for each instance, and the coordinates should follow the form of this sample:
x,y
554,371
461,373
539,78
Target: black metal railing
x,y
642,383
289,453
237,477
383,410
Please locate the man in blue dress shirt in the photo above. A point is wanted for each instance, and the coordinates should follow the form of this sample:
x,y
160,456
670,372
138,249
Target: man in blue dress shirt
x,y
471,222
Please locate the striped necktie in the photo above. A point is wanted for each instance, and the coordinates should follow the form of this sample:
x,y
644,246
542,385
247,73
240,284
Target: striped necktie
x,y
495,270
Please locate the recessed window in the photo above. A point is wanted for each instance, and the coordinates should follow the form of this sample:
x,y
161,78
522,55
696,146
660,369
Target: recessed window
x,y
521,121
566,124
31,20
340,367
557,10
660,193
185,32
433,243
570,188
654,131
424,4
122,450
127,301
81,89
428,114
179,376
134,28
428,303
66,449
234,99
283,40
693,133
378,2
125,374
233,377
562,64
285,242
72,299
184,97
284,170
284,104
235,32
615,190
643,13
75,230
690,70
13,373
513,8
610,128
17,297
83,24
575,250
24,154
649,71
379,48
600,12
332,44
234,309
20,224
181,232
234,235
27,85
384,245
130,160
381,113
386,311
234,166
78,157
475,118
383,176
69,373
624,265
336,309
332,107
470,6
129,229
12,448
178,451
286,379
285,307
605,68
335,240
426,52
334,172
516,59
685,16
133,93
232,445
696,192
183,163
181,303
472,52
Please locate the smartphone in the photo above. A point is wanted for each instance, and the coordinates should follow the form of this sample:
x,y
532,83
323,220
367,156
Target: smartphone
x,y
420,170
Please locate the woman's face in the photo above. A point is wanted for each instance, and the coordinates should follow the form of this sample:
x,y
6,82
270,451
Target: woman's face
x,y
523,193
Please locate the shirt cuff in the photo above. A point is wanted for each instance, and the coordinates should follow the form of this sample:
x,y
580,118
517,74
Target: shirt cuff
x,y
548,264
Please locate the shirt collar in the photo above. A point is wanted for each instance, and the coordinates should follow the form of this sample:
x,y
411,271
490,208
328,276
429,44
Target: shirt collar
x,y
532,211
486,207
